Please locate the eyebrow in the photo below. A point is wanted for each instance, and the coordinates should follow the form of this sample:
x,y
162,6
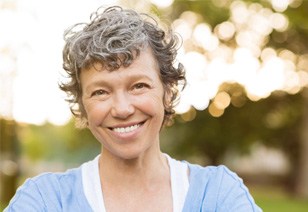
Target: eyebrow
x,y
136,77
103,82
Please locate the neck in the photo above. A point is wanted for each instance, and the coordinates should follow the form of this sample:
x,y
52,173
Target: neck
x,y
147,168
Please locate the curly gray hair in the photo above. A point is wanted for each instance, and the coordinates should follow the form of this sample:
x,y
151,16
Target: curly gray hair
x,y
114,38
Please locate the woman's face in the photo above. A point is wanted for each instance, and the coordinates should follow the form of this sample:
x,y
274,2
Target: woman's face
x,y
124,108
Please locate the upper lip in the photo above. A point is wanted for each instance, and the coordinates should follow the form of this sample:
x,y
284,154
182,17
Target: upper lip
x,y
126,125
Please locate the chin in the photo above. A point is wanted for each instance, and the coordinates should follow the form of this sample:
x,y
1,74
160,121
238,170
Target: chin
x,y
130,155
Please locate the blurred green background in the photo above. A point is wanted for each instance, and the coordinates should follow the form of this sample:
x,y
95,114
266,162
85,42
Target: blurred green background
x,y
245,105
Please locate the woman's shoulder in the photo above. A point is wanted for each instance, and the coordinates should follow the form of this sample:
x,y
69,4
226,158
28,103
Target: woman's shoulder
x,y
219,178
55,179
51,191
218,188
207,173
212,172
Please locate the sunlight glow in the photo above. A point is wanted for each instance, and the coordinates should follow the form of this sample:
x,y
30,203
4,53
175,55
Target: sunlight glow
x,y
189,115
204,37
162,3
280,5
279,22
239,12
225,30
31,60
222,100
183,28
215,111
259,69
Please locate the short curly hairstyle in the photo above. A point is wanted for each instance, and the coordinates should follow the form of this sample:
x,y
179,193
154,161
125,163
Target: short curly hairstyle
x,y
114,38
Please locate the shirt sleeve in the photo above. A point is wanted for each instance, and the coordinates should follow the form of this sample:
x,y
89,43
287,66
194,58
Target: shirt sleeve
x,y
27,198
51,192
216,188
233,195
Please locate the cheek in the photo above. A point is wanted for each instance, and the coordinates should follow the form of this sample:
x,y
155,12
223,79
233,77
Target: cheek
x,y
153,105
96,113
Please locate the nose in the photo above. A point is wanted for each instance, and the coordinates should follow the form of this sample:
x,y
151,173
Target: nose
x,y
122,106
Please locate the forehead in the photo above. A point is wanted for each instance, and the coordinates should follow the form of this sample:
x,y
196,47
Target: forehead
x,y
123,60
143,65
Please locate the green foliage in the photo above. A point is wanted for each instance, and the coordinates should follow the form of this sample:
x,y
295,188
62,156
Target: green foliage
x,y
210,12
2,206
58,143
273,121
295,38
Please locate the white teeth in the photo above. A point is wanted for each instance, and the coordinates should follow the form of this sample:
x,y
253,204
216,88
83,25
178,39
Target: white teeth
x,y
126,129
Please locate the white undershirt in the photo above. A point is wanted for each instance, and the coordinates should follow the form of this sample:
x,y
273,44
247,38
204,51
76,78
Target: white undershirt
x,y
93,192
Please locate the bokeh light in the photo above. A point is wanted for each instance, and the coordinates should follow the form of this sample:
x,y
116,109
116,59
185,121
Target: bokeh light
x,y
162,3
261,70
31,63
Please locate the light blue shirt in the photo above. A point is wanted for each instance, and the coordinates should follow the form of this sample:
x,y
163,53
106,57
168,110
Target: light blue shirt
x,y
211,189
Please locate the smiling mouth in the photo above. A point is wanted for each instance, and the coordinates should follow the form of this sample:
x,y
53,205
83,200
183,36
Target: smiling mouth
x,y
126,129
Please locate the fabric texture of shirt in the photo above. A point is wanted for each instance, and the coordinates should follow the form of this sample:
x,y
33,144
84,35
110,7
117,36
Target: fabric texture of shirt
x,y
211,189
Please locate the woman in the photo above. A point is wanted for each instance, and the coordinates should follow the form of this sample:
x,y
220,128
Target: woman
x,y
123,88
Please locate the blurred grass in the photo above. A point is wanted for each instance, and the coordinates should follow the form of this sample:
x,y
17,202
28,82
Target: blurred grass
x,y
2,206
273,199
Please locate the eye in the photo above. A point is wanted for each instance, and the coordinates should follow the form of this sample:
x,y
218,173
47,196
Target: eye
x,y
99,92
140,86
